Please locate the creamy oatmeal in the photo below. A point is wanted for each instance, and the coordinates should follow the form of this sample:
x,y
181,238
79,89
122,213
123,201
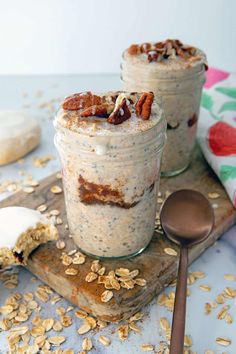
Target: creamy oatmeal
x,y
176,72
110,148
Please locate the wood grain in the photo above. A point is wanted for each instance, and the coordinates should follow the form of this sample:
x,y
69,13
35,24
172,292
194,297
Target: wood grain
x,y
154,264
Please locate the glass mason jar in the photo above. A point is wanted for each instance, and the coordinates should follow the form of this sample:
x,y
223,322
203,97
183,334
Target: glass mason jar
x,y
180,89
110,177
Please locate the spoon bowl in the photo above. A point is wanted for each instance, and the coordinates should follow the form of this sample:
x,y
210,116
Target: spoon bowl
x,y
187,217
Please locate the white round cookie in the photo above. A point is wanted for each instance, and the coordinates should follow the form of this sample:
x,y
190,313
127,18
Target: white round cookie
x,y
21,231
19,134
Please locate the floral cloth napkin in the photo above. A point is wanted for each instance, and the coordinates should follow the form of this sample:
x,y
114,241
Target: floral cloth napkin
x,y
217,127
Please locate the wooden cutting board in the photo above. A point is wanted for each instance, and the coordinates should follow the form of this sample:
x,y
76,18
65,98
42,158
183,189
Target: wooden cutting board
x,y
157,267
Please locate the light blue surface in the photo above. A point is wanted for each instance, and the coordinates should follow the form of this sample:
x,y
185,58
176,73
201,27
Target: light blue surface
x,y
215,262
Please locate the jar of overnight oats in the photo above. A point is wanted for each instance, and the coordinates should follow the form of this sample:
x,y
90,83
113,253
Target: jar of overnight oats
x,y
110,147
177,73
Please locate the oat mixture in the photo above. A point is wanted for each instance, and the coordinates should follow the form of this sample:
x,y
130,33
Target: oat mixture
x,y
176,72
110,148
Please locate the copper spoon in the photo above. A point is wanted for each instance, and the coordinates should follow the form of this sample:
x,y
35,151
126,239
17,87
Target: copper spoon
x,y
187,219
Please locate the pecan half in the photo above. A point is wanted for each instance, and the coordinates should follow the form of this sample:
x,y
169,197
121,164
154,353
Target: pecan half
x,y
120,113
81,101
134,49
102,110
144,105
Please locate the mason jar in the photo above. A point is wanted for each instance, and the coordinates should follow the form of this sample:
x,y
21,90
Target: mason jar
x,y
111,176
179,83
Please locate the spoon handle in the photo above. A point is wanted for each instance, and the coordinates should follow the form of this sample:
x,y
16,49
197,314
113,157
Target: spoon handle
x,y
178,322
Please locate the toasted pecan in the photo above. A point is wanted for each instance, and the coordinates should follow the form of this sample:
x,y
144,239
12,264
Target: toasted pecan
x,y
81,101
134,49
120,114
144,105
102,110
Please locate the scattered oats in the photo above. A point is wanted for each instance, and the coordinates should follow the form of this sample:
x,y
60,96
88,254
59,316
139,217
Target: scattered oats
x,y
188,341
170,251
87,344
42,295
115,284
95,266
213,195
188,293
48,324
136,317
140,282
37,321
191,279
28,190
71,271
228,318
134,273
31,183
59,221
72,252
223,341
230,277
104,340
6,309
57,326
123,331
66,260
22,317
57,340
60,244
56,189
199,275
134,327
55,299
69,308
101,324
79,258
5,324
84,328
37,331
164,323
91,321
102,271
204,287
42,161
208,308
122,271
54,212
42,208
147,347
81,314
220,299
162,299
91,276
20,330
61,311
66,321
221,314
160,200
215,205
229,292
